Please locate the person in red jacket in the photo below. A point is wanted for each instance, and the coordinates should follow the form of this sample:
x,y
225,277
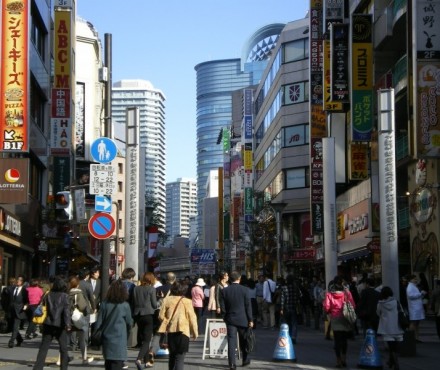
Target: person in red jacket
x,y
333,306
35,294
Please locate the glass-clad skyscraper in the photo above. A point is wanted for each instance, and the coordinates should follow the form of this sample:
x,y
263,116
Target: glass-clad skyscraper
x,y
216,81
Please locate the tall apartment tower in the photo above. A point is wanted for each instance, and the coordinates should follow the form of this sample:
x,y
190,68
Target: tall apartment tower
x,y
181,205
150,101
216,81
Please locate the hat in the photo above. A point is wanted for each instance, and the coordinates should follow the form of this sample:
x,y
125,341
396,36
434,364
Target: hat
x,y
171,278
200,282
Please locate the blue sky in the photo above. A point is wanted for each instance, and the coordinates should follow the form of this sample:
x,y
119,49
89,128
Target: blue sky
x,y
163,40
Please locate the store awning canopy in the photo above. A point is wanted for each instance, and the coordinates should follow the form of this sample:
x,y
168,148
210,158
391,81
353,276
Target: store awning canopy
x,y
358,253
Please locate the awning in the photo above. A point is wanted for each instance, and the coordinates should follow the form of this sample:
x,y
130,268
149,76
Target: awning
x,y
358,253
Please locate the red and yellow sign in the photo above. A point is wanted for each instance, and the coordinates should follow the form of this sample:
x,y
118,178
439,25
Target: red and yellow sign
x,y
359,162
14,76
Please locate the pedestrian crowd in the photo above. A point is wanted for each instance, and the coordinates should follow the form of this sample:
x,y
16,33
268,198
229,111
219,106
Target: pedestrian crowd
x,y
166,314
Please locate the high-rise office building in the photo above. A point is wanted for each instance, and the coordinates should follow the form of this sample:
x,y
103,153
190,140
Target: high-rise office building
x,y
150,101
216,81
181,205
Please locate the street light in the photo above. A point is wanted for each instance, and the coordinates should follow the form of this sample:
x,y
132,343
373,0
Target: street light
x,y
278,207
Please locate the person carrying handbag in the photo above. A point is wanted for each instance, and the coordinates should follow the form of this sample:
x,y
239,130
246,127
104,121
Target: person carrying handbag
x,y
77,300
179,321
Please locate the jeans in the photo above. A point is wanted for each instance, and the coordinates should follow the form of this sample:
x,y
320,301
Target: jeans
x,y
145,329
49,333
232,331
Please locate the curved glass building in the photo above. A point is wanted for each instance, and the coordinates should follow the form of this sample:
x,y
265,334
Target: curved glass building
x,y
216,81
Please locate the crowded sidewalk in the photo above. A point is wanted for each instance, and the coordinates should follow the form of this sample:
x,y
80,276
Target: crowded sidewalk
x,y
312,351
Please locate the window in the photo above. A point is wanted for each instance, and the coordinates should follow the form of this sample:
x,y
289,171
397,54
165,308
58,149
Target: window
x,y
295,135
38,33
296,50
295,93
37,104
297,178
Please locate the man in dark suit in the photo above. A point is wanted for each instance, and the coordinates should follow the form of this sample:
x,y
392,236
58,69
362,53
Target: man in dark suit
x,y
237,313
17,310
95,281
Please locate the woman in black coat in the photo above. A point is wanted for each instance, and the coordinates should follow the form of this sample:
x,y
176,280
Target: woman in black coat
x,y
144,305
57,323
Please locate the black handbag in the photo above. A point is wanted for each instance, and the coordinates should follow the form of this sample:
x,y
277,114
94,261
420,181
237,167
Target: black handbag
x,y
249,339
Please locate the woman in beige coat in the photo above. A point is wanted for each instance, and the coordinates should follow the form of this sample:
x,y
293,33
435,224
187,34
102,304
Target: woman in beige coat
x,y
179,321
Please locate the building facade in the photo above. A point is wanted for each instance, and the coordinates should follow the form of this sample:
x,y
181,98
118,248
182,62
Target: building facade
x,y
216,81
181,203
142,94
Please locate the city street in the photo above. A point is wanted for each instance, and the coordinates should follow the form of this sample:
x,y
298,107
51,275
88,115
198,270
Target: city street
x,y
312,352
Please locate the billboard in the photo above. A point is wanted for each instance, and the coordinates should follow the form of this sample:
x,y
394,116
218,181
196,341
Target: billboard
x,y
61,122
14,180
14,78
362,77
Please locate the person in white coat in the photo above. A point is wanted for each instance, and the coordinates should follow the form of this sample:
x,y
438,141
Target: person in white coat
x,y
389,328
415,305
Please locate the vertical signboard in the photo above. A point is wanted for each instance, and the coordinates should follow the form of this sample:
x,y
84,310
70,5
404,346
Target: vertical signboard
x,y
247,156
359,162
61,173
339,63
318,127
426,23
132,190
80,139
61,122
427,18
362,77
14,80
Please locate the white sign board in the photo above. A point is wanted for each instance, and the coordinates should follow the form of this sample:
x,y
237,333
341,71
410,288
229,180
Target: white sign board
x,y
103,179
80,206
216,341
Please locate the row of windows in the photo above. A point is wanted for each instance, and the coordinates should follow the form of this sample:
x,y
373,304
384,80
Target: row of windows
x,y
289,52
289,94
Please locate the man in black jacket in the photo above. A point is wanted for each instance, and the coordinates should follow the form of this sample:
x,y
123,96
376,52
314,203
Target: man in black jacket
x,y
17,310
237,314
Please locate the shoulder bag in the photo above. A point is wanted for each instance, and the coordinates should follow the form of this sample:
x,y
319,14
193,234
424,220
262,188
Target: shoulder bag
x,y
40,312
78,319
163,342
96,337
348,310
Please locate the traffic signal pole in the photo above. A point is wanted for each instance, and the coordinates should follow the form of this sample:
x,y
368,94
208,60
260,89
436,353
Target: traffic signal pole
x,y
105,256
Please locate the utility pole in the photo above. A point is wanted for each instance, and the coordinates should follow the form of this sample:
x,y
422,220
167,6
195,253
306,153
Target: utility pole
x,y
105,277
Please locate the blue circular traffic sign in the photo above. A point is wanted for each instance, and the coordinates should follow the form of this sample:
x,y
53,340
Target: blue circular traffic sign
x,y
103,150
101,225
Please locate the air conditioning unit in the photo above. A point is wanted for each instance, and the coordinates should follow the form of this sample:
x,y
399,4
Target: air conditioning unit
x,y
103,74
